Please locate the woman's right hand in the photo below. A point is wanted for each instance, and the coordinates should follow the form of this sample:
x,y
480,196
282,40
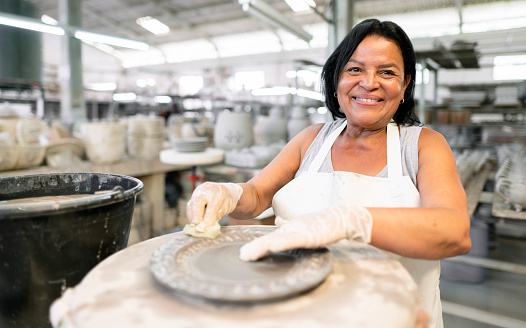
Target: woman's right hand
x,y
210,202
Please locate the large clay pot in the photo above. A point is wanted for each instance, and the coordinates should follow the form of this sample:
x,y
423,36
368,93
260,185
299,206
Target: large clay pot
x,y
145,137
233,130
298,121
105,142
275,128
146,126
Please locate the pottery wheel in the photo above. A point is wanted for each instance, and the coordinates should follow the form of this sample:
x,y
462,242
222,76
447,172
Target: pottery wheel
x,y
211,268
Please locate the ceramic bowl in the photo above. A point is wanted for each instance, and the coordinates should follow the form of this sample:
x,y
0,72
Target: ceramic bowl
x,y
65,152
8,124
29,130
30,155
8,157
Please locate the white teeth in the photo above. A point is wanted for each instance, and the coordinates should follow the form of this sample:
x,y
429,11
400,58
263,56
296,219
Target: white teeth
x,y
366,100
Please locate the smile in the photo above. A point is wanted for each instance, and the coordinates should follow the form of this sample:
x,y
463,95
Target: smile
x,y
367,99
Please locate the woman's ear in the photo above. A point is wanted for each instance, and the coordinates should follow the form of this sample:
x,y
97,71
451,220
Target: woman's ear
x,y
406,81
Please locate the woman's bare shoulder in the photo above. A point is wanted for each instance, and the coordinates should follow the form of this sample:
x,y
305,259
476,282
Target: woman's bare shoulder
x,y
429,137
305,138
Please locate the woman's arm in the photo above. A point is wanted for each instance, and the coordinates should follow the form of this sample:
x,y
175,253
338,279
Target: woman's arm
x,y
259,191
440,228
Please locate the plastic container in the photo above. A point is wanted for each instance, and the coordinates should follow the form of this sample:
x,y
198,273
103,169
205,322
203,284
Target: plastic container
x,y
46,247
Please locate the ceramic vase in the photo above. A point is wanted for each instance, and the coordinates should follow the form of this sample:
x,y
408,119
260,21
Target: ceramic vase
x,y
233,130
298,121
275,128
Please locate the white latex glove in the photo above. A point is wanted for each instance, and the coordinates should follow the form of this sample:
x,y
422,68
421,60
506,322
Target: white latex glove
x,y
312,231
210,202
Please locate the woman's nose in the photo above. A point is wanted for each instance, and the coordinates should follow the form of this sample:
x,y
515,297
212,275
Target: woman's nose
x,y
369,80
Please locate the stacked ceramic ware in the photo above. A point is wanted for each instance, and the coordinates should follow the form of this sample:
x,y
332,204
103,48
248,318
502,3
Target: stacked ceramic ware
x,y
469,162
510,179
190,145
145,137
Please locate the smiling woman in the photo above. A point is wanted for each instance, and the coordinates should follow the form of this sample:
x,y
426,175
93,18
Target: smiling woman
x,y
374,175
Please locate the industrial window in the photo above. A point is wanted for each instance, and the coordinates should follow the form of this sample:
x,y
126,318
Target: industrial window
x,y
509,67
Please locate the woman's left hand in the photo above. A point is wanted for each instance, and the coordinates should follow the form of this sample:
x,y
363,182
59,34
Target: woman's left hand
x,y
312,231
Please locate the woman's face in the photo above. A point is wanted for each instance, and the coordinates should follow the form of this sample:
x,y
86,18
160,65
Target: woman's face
x,y
372,83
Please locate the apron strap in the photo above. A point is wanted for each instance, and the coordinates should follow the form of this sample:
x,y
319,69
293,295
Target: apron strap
x,y
325,148
394,160
394,156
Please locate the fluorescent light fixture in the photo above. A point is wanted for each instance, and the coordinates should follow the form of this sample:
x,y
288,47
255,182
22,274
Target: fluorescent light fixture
x,y
310,94
48,20
266,13
162,99
110,86
300,5
115,41
106,48
51,28
153,25
127,96
29,24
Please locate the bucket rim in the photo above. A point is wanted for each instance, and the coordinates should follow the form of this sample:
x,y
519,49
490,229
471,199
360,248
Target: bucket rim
x,y
99,198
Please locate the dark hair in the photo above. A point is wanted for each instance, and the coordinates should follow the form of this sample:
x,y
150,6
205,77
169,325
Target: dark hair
x,y
339,58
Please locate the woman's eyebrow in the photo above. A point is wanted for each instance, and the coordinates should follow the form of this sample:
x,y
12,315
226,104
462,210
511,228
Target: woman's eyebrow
x,y
380,66
355,61
388,66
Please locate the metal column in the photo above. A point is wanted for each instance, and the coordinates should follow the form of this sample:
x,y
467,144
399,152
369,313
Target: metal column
x,y
72,104
343,20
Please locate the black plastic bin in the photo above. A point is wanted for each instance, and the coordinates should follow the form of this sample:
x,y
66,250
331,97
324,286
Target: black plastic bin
x,y
45,248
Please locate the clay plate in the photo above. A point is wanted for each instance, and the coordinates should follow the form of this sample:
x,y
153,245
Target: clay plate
x,y
211,269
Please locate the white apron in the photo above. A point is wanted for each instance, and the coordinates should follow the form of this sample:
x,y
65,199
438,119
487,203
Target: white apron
x,y
314,191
